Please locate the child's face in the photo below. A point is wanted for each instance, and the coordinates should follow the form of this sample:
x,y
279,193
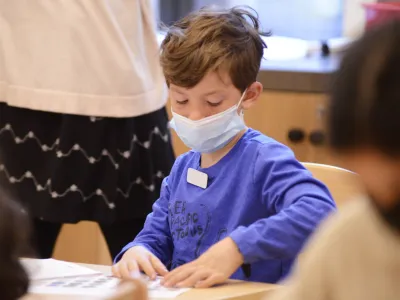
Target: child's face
x,y
215,93
379,173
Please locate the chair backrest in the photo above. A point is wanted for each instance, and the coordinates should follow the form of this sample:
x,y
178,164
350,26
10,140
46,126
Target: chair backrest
x,y
343,184
131,290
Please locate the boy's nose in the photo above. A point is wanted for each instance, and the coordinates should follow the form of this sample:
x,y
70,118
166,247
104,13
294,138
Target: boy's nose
x,y
195,116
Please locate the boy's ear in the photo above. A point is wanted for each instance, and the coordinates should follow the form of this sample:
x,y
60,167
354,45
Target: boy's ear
x,y
252,94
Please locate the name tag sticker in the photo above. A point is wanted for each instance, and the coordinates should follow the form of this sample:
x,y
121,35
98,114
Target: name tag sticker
x,y
197,178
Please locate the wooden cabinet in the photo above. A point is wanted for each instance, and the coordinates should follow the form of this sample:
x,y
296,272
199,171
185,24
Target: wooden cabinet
x,y
275,114
281,114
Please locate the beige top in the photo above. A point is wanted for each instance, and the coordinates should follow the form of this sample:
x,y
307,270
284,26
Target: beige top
x,y
86,57
353,257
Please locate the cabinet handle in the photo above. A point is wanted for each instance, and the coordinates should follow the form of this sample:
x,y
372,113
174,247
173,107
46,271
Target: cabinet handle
x,y
321,111
325,49
317,138
296,135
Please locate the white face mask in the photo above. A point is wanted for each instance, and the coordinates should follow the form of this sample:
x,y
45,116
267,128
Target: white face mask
x,y
212,133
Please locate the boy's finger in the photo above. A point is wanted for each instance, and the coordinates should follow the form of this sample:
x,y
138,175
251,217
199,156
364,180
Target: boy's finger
x,y
195,277
147,268
123,270
158,266
177,270
179,274
210,281
133,269
115,270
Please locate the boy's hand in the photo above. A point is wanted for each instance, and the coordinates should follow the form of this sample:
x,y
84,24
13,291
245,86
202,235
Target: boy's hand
x,y
138,259
215,266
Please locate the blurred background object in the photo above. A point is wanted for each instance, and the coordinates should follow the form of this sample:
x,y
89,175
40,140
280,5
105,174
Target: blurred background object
x,y
376,13
302,19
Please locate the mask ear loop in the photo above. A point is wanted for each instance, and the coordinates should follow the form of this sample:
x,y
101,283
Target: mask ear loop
x,y
241,114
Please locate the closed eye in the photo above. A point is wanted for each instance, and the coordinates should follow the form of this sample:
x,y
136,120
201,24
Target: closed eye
x,y
213,104
182,102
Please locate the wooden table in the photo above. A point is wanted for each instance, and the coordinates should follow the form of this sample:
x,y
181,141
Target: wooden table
x,y
233,290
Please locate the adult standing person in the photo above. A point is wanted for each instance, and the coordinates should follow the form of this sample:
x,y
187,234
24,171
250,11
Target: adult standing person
x,y
83,127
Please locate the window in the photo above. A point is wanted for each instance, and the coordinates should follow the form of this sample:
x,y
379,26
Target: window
x,y
304,19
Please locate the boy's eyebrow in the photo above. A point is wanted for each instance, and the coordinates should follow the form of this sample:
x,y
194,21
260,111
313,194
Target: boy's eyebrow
x,y
173,89
176,90
212,92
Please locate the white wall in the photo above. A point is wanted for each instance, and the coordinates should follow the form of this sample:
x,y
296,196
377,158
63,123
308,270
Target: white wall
x,y
354,17
306,19
155,4
325,16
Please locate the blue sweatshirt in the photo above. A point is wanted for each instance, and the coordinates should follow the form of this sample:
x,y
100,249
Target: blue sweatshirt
x,y
258,194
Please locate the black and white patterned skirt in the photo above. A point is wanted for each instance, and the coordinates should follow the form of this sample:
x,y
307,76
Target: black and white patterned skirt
x,y
67,168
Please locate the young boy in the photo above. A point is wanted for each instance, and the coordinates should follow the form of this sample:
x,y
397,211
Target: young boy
x,y
356,255
238,198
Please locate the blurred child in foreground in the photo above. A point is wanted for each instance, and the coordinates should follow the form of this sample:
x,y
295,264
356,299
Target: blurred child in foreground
x,y
356,254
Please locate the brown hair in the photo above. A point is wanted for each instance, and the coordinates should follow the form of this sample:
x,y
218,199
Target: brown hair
x,y
214,40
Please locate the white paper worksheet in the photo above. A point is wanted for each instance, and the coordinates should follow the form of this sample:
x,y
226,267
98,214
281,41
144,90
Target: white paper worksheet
x,y
97,285
55,277
51,268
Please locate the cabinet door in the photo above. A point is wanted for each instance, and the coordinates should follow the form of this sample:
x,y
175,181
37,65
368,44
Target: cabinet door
x,y
320,152
279,113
